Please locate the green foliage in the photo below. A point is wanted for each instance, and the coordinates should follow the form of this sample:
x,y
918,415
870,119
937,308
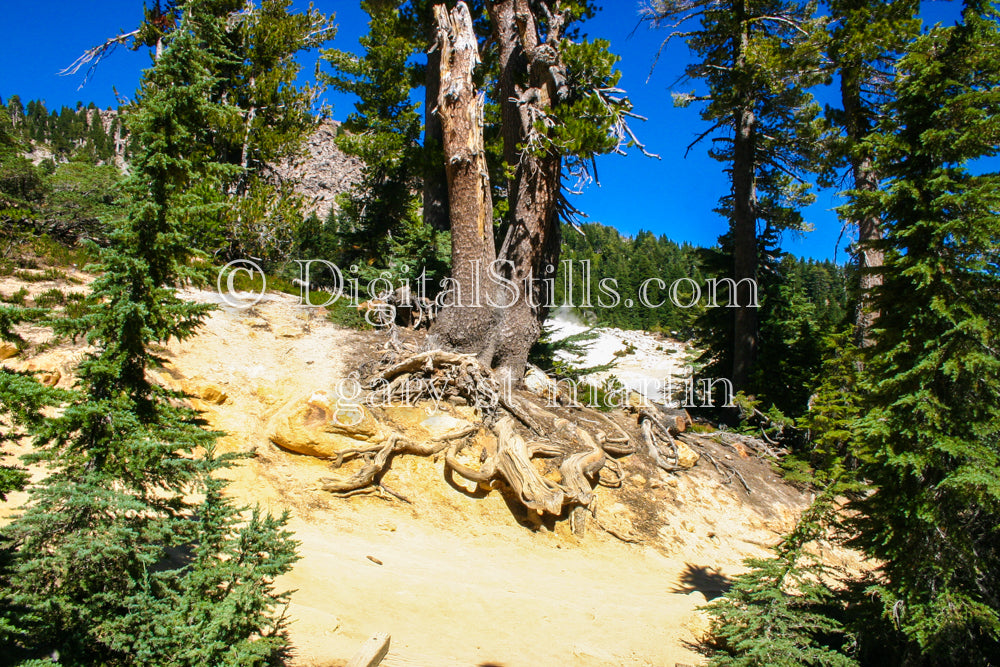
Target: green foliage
x,y
931,430
217,609
21,186
82,195
628,262
865,38
17,298
127,552
22,399
800,303
379,223
257,73
586,119
831,419
71,134
551,354
783,613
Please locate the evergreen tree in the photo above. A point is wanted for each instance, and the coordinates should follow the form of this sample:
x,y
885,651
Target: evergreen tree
x,y
384,132
831,420
931,433
21,185
865,40
22,399
258,65
783,613
96,565
757,59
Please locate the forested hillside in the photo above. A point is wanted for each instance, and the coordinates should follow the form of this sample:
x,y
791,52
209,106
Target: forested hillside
x,y
874,386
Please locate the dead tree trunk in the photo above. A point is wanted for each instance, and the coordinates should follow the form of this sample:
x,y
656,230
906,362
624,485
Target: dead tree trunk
x,y
435,188
467,323
500,336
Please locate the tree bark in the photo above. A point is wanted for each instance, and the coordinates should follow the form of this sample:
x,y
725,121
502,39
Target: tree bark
x,y
501,336
467,321
435,189
744,222
869,258
531,243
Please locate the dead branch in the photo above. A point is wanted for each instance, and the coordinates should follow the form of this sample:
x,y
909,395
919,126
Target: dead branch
x,y
95,55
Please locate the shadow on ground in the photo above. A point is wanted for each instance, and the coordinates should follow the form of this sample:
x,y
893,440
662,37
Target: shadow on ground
x,y
707,580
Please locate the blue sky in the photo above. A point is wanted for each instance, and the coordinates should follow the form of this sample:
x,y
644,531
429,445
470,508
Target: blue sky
x,y
673,195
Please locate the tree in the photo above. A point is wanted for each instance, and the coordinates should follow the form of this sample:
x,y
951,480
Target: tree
x,y
865,40
81,199
115,535
783,612
931,431
21,185
258,74
757,58
380,217
559,108
255,49
22,399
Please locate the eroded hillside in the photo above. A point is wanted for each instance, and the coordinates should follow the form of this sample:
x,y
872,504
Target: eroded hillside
x,y
455,572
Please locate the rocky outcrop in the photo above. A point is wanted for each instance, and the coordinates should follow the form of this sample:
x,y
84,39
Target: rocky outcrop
x,y
317,425
323,172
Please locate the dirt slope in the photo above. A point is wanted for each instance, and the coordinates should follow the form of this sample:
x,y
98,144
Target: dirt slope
x,y
457,576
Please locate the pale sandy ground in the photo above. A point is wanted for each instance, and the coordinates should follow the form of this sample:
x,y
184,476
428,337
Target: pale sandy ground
x,y
463,579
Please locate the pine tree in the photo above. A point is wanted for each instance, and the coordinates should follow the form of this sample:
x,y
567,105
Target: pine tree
x,y
757,59
93,572
783,612
22,398
866,38
257,72
831,420
21,186
931,433
384,132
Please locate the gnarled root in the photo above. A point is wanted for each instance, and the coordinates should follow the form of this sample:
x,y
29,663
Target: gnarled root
x,y
524,433
660,445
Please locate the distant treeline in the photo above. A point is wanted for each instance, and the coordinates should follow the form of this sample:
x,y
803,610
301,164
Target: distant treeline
x,y
68,133
71,194
818,290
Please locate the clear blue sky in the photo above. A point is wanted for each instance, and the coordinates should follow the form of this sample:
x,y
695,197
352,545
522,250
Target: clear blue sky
x,y
673,196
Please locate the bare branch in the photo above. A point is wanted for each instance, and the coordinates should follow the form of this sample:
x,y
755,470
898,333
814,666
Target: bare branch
x,y
95,55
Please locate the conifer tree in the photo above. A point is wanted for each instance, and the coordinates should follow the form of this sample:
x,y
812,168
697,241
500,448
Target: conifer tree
x,y
258,73
783,612
757,58
831,420
866,38
931,433
380,221
21,187
97,561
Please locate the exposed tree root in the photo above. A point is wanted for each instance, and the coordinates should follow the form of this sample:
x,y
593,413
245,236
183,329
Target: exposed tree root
x,y
524,434
743,444
660,445
551,458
